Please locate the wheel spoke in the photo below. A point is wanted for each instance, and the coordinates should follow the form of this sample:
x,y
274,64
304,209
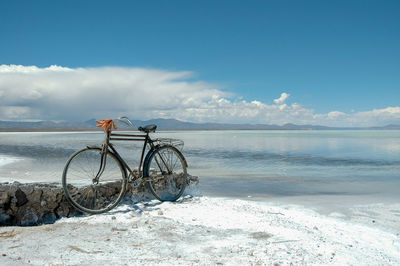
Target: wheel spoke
x,y
165,181
82,192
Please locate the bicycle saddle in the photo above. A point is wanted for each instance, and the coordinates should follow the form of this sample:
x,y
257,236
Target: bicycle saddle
x,y
148,128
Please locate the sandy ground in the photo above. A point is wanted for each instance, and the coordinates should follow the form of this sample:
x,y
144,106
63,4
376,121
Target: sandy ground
x,y
201,231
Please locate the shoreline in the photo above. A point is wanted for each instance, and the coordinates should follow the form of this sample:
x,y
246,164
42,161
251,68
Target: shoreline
x,y
201,230
94,129
376,212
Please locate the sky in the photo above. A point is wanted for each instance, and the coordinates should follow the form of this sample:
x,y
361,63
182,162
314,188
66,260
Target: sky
x,y
331,63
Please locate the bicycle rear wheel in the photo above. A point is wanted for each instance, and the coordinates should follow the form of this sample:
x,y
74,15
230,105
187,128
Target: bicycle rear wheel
x,y
166,169
83,191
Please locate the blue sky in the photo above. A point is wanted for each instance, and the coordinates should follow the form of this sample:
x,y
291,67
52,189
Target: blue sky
x,y
330,56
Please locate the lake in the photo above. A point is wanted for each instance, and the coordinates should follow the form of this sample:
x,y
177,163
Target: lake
x,y
313,168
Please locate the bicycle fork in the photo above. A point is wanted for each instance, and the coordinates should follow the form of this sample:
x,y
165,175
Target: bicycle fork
x,y
102,165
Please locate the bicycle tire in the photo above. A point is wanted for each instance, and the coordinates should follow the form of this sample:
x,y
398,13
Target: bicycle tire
x,y
81,190
166,170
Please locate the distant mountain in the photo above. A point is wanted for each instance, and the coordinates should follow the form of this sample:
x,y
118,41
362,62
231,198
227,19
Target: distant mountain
x,y
388,127
173,124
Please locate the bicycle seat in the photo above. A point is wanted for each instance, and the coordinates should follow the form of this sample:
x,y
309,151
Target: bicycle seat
x,y
148,128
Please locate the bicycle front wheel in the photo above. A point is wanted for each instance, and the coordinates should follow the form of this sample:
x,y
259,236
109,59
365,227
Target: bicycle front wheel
x,y
166,172
82,189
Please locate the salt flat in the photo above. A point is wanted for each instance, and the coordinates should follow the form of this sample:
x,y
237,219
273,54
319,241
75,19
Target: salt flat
x,y
201,231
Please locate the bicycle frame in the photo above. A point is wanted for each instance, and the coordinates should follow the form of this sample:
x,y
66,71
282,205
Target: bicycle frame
x,y
108,146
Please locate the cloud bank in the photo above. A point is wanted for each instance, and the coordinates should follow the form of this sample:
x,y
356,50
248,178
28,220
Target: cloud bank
x,y
282,99
60,93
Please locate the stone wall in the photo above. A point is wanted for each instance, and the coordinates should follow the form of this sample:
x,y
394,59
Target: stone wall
x,y
32,204
38,203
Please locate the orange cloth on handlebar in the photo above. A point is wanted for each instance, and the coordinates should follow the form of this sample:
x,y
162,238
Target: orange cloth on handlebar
x,y
107,124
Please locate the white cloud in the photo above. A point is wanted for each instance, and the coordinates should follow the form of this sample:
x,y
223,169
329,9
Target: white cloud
x,y
60,93
336,114
64,93
282,99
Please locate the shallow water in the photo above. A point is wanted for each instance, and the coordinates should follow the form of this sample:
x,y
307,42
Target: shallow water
x,y
304,167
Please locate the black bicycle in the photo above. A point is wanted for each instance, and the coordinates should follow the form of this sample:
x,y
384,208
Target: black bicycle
x,y
95,178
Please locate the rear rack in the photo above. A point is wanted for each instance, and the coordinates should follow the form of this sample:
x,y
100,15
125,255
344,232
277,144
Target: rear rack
x,y
177,143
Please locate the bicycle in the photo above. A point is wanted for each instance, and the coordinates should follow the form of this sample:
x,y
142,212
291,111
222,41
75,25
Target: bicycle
x,y
95,178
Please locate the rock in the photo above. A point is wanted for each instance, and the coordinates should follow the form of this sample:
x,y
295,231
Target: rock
x,y
193,179
28,190
63,209
21,197
36,195
49,218
5,219
4,198
30,218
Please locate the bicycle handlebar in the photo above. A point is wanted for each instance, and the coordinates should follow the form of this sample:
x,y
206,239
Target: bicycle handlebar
x,y
109,124
125,120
